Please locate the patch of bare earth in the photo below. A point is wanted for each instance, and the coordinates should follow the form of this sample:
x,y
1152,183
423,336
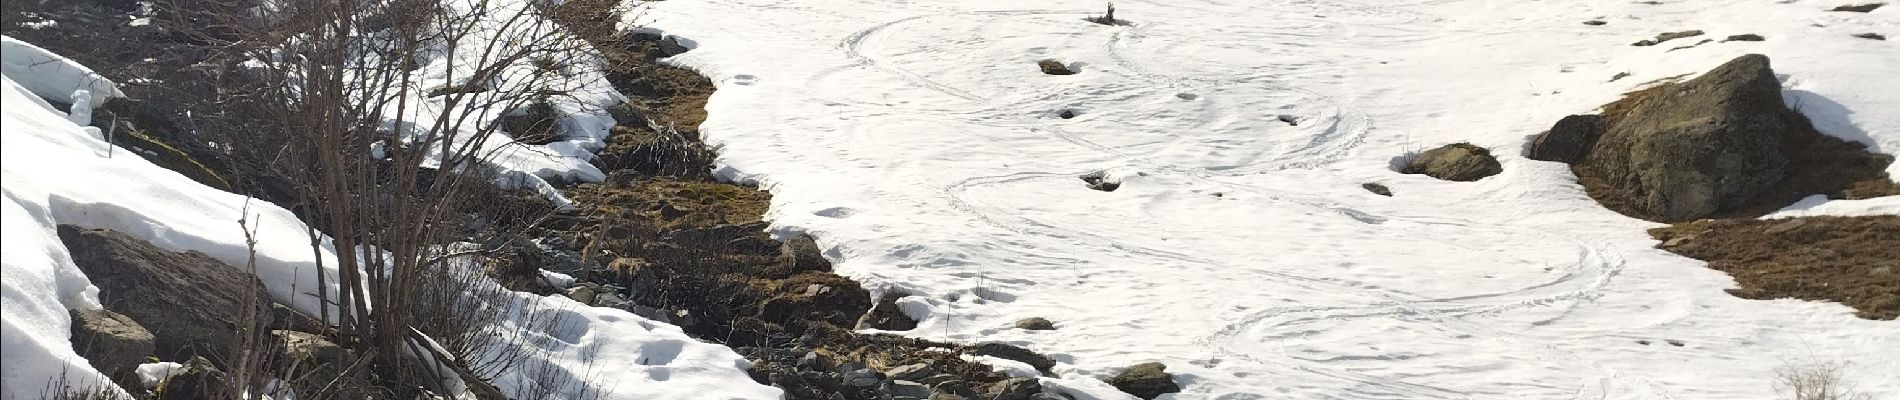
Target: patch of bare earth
x,y
1851,260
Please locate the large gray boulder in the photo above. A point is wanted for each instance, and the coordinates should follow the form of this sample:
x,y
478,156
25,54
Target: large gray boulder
x,y
192,304
1688,150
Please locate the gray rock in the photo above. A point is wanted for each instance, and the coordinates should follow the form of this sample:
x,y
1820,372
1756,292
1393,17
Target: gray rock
x,y
1009,352
1145,380
1746,37
912,372
1462,162
1871,36
1098,180
582,294
954,389
905,390
671,46
556,255
1053,67
885,315
1569,140
802,254
190,302
1035,324
609,299
863,378
1377,189
1667,36
1697,147
113,343
1014,389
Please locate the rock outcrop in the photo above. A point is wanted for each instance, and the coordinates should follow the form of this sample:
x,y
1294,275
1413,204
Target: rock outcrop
x,y
1462,162
191,303
1722,143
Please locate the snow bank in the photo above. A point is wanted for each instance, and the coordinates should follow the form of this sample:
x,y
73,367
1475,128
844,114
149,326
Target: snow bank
x,y
919,143
55,173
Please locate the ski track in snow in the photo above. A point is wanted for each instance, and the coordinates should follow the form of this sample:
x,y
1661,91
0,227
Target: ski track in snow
x,y
910,140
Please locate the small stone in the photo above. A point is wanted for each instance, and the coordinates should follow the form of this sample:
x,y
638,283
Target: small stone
x,y
1746,37
1871,35
1595,22
812,361
1053,67
1145,380
1377,189
1035,324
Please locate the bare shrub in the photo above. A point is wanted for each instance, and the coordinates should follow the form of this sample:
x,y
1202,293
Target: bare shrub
x,y
314,88
1815,380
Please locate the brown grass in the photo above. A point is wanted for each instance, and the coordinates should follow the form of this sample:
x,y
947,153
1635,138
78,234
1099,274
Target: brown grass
x,y
1851,260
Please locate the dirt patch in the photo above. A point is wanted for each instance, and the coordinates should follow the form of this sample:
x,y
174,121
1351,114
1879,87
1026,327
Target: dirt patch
x,y
1851,260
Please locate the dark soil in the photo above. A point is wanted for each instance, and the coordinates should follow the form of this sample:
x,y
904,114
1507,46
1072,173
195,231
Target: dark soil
x,y
1852,260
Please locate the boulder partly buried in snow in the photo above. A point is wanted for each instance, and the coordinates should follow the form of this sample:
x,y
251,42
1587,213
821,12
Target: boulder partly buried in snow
x,y
1687,150
1721,144
1462,162
191,303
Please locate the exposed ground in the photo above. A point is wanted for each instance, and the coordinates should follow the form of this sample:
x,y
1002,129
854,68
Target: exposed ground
x,y
1852,260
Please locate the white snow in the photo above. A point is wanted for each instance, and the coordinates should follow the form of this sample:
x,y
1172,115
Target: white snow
x,y
56,172
919,143
152,374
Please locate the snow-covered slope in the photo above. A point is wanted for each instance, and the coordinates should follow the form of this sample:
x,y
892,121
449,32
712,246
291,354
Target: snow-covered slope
x,y
56,172
919,143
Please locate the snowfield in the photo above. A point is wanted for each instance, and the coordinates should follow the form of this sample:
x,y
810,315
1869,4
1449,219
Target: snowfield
x,y
919,143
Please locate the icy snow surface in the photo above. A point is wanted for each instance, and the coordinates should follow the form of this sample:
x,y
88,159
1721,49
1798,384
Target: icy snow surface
x,y
56,172
919,143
